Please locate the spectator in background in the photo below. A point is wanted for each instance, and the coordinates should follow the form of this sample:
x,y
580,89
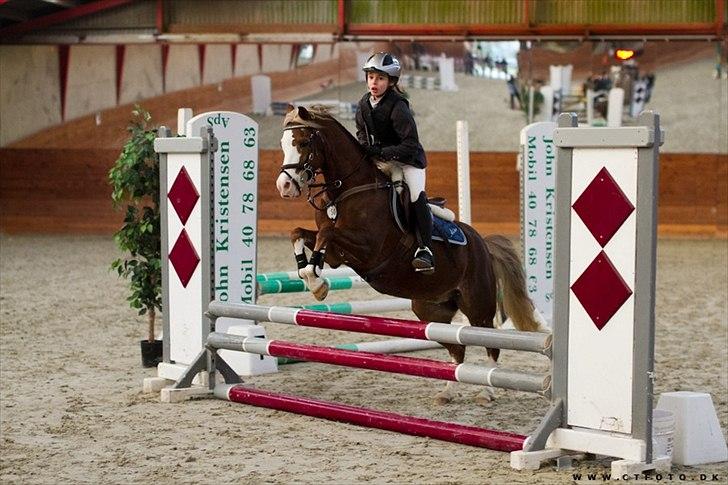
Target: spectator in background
x,y
489,62
602,83
514,92
468,63
650,84
502,65
719,61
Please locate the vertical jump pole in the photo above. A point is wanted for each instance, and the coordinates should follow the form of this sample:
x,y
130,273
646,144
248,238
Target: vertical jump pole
x,y
187,284
463,153
531,92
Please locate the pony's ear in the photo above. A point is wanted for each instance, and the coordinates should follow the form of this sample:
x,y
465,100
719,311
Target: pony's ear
x,y
304,114
290,108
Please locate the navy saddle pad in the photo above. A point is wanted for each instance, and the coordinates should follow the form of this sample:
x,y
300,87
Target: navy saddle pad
x,y
447,231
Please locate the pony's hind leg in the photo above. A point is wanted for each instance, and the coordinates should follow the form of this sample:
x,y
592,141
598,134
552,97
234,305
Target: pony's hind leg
x,y
443,313
480,312
487,395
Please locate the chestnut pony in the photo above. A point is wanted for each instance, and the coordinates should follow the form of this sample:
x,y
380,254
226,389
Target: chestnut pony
x,y
356,228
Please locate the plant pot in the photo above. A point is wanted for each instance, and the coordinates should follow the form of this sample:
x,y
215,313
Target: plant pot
x,y
151,352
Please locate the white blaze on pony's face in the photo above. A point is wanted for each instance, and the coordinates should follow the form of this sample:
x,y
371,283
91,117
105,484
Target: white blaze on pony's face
x,y
289,182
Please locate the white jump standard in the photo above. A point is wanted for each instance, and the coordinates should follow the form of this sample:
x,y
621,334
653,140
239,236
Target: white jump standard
x,y
604,314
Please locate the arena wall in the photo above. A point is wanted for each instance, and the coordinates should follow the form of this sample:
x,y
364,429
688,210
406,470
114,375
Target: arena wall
x,y
141,75
29,92
101,78
66,191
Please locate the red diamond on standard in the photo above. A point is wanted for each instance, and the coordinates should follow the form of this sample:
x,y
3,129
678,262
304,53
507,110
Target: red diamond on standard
x,y
183,195
601,290
184,258
603,207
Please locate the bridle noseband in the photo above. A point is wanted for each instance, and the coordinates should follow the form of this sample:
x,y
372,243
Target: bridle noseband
x,y
305,167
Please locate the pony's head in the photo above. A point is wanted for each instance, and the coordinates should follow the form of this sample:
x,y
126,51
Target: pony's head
x,y
302,150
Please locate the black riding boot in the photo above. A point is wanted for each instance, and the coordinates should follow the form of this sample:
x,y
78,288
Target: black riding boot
x,y
423,261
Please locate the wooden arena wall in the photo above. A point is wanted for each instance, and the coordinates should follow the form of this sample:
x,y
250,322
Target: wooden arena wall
x,y
66,191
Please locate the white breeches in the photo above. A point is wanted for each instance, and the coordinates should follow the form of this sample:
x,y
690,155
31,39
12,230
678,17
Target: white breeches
x,y
415,179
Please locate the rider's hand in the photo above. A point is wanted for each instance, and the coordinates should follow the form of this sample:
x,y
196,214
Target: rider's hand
x,y
374,150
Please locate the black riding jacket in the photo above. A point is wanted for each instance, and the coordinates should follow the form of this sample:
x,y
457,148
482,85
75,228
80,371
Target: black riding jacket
x,y
390,124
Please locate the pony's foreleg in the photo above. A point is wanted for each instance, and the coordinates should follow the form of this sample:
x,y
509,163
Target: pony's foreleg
x,y
300,238
348,241
312,271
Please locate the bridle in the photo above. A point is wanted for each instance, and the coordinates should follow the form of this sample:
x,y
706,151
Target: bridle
x,y
309,173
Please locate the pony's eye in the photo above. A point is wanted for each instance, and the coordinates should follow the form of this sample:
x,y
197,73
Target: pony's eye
x,y
304,144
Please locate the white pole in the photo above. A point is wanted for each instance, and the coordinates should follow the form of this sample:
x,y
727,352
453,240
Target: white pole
x,y
396,346
590,107
531,92
183,116
614,107
548,103
293,275
463,148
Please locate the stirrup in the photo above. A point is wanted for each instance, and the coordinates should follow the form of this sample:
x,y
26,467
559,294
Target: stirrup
x,y
423,261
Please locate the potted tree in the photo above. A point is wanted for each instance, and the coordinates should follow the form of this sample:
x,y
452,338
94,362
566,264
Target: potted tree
x,y
135,182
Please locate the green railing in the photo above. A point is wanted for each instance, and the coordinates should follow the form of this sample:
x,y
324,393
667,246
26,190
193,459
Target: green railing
x,y
435,12
600,12
477,14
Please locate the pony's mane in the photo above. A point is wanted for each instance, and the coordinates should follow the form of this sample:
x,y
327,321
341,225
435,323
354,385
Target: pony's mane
x,y
319,114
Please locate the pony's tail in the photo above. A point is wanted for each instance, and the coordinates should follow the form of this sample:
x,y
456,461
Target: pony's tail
x,y
511,283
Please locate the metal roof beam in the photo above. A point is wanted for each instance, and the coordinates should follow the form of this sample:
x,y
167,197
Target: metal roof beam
x,y
63,3
63,16
9,13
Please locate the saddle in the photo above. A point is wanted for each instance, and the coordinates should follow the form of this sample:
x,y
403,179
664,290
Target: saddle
x,y
443,219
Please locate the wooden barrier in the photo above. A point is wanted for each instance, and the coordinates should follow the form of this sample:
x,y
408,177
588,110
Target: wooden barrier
x,y
71,194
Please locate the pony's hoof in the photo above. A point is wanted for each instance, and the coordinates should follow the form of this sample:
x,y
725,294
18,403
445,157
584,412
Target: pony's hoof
x,y
485,398
442,399
321,292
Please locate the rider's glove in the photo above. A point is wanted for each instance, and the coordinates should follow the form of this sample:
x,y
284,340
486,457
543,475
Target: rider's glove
x,y
374,150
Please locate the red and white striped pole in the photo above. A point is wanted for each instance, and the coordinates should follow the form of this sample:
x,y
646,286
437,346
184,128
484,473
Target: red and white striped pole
x,y
393,327
455,433
434,369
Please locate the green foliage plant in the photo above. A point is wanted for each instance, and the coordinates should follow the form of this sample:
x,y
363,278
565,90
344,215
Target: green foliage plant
x,y
135,183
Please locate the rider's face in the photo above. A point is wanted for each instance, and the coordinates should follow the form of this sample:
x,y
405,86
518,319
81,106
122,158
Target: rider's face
x,y
377,83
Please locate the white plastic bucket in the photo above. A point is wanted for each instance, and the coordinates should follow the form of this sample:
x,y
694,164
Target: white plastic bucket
x,y
663,429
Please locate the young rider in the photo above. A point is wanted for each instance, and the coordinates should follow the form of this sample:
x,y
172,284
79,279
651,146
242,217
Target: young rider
x,y
386,128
